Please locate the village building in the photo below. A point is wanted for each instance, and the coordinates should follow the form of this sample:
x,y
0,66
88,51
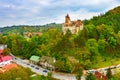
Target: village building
x,y
4,60
8,67
34,59
29,34
100,76
47,62
73,26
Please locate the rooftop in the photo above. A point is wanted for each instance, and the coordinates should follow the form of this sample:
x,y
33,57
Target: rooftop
x,y
8,67
35,58
5,58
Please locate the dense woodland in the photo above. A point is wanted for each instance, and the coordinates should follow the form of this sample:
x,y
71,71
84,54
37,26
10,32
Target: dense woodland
x,y
97,45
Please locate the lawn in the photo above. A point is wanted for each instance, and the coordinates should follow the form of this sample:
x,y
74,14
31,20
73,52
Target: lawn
x,y
107,63
38,77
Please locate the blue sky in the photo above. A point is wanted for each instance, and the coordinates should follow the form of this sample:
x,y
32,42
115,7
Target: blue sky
x,y
39,12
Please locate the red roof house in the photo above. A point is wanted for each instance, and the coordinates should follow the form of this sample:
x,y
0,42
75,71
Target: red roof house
x,y
105,77
99,76
1,51
9,67
4,60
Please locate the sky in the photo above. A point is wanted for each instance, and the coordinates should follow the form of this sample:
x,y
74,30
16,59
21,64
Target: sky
x,y
40,12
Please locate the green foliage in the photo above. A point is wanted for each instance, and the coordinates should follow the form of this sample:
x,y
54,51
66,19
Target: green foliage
x,y
109,73
6,51
63,65
96,44
102,44
21,73
116,76
90,77
92,45
79,71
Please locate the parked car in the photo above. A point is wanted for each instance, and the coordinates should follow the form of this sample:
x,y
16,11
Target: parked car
x,y
28,64
36,67
32,66
45,71
15,58
22,58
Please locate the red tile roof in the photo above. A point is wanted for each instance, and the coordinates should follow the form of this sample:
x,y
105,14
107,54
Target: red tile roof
x,y
5,58
105,77
9,67
100,76
1,51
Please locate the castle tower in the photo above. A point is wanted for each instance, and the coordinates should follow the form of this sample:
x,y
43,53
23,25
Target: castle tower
x,y
67,19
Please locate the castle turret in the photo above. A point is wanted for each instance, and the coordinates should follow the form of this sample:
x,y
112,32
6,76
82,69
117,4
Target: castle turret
x,y
67,19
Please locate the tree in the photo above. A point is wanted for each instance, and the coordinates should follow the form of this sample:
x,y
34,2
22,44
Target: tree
x,y
116,76
49,76
6,51
102,44
14,48
90,77
79,71
80,39
112,41
92,45
109,73
63,65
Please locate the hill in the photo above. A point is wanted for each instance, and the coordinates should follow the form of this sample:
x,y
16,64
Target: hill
x,y
97,45
27,28
111,18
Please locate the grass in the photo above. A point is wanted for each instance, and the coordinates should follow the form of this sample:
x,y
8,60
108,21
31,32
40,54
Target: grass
x,y
38,77
107,63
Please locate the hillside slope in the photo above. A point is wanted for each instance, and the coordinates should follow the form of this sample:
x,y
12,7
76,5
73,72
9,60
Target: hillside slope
x,y
111,18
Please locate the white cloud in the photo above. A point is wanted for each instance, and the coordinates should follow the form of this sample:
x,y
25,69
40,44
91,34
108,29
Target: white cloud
x,y
47,11
80,14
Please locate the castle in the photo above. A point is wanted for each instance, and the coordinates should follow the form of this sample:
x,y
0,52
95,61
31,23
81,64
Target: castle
x,y
73,26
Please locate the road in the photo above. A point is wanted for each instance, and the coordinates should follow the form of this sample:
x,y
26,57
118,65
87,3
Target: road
x,y
42,71
60,76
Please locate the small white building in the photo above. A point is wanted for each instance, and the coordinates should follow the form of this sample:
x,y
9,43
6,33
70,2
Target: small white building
x,y
2,46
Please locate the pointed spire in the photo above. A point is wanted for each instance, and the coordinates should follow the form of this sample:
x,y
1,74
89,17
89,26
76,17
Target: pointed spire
x,y
67,16
67,19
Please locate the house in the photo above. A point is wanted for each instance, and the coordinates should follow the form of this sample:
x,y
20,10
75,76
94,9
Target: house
x,y
4,60
29,34
34,59
100,76
47,62
8,67
73,26
1,51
